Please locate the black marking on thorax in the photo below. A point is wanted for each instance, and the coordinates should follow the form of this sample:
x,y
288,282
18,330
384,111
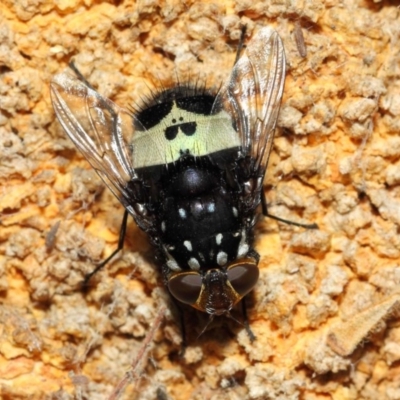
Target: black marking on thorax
x,y
188,128
186,98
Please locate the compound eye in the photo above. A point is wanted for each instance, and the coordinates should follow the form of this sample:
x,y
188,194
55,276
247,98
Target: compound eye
x,y
185,286
243,276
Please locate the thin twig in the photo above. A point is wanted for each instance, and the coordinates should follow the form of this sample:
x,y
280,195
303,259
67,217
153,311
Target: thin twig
x,y
134,372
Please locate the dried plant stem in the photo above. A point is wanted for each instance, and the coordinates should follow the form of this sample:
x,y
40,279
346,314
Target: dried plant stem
x,y
134,372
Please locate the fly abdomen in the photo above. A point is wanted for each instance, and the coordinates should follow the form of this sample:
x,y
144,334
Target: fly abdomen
x,y
201,231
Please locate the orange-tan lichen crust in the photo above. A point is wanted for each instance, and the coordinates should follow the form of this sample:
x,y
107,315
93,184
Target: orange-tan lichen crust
x,y
325,310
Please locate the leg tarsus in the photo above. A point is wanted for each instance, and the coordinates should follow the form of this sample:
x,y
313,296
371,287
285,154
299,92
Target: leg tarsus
x,y
183,333
120,246
78,73
241,43
246,324
183,326
266,214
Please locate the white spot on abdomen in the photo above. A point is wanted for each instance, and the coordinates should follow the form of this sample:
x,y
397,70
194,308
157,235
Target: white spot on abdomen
x,y
243,248
222,258
193,264
173,265
171,262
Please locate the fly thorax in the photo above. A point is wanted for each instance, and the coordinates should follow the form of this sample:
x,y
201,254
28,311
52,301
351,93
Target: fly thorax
x,y
182,127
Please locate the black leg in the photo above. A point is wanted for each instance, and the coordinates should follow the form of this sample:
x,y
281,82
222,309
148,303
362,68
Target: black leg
x,y
183,327
241,43
265,213
79,75
246,324
179,307
120,246
161,394
183,332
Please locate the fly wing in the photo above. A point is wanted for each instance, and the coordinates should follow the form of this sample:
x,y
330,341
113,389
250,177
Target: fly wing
x,y
103,132
253,96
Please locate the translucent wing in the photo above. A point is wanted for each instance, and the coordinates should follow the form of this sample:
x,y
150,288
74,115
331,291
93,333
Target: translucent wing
x,y
253,95
103,132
